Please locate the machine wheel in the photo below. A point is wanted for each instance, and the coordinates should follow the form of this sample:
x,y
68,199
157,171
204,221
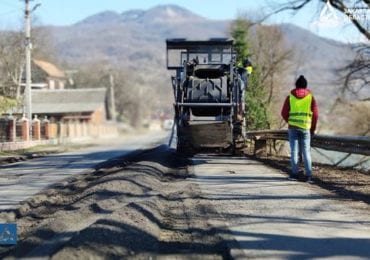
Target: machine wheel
x,y
184,148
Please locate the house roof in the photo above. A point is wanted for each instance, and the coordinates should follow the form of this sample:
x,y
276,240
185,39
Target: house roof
x,y
50,68
67,100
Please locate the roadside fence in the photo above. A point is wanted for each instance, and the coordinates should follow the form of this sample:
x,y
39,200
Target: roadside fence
x,y
15,133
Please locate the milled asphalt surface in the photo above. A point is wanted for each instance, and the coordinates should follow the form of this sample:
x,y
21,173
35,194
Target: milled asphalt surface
x,y
252,207
272,217
19,181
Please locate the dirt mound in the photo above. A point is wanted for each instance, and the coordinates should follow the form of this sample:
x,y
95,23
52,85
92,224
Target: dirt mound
x,y
134,207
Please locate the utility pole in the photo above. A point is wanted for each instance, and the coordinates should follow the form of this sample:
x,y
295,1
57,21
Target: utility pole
x,y
28,101
112,99
28,43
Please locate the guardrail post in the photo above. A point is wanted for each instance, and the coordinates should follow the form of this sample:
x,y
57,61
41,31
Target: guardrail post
x,y
260,147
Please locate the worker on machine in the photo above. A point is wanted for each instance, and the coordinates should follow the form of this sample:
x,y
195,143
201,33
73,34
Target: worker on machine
x,y
244,71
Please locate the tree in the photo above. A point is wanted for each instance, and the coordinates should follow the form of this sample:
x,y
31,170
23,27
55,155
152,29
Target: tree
x,y
356,75
265,46
12,58
6,104
256,112
272,55
344,6
134,97
239,32
11,63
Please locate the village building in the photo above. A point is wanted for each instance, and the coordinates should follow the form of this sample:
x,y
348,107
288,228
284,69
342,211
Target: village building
x,y
46,75
52,101
83,105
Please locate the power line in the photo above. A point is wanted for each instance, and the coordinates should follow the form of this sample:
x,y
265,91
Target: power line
x,y
9,12
10,4
14,8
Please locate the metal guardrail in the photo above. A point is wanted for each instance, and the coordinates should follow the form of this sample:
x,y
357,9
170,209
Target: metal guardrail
x,y
347,144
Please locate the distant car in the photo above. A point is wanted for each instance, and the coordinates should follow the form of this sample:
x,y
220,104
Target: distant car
x,y
167,124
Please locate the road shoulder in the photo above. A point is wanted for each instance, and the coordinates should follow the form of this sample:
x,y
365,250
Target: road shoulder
x,y
271,216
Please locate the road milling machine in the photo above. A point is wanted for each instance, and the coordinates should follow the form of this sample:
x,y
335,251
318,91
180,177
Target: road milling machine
x,y
209,95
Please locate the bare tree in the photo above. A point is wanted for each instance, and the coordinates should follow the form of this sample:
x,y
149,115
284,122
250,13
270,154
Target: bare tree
x,y
12,58
271,54
343,6
134,97
355,119
11,64
355,76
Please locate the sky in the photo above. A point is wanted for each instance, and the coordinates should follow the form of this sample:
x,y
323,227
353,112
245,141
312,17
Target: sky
x,y
67,12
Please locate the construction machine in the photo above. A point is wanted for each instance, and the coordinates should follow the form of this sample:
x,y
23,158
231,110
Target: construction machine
x,y
208,90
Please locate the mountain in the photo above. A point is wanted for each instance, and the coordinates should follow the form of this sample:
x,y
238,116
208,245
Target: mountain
x,y
132,36
157,14
135,39
316,53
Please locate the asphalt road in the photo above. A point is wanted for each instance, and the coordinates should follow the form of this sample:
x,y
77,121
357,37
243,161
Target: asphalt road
x,y
272,217
252,207
19,181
